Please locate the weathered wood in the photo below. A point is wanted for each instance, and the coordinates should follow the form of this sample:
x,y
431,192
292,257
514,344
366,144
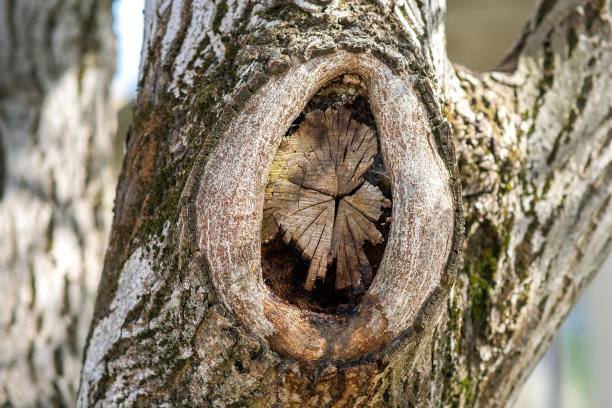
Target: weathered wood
x,y
326,159
369,201
351,232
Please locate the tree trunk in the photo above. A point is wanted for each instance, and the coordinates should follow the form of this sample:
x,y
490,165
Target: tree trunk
x,y
56,127
199,306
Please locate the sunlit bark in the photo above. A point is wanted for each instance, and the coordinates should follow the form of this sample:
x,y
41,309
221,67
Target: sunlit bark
x,y
533,142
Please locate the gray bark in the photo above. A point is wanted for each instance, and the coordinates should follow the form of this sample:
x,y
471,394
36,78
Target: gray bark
x,y
56,127
533,142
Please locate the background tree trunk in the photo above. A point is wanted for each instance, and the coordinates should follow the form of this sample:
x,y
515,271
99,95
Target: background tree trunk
x,y
533,141
56,125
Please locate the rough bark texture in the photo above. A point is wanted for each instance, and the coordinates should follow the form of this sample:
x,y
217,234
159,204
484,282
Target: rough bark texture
x,y
56,190
534,149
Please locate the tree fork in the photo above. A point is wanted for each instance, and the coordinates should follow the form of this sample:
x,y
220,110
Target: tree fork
x,y
182,306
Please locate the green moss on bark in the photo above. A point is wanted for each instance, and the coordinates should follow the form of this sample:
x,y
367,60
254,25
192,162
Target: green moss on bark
x,y
484,251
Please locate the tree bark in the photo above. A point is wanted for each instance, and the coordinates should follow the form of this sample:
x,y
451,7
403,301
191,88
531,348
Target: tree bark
x,y
182,315
56,127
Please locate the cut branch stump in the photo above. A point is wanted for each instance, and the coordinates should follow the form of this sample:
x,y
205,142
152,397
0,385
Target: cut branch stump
x,y
317,197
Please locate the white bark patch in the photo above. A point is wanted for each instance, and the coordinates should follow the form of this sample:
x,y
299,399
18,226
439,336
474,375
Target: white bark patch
x,y
201,18
234,12
135,280
413,14
152,10
404,19
173,27
307,6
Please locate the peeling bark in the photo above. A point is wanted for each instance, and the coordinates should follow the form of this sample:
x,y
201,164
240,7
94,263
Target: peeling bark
x,y
56,128
221,84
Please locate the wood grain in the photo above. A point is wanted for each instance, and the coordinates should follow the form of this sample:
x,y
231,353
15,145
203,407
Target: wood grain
x,y
318,200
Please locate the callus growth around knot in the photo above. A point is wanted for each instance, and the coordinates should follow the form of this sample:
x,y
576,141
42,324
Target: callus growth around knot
x,y
317,197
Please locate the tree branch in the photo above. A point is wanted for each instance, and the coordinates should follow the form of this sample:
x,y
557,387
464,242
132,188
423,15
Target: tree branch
x,y
535,158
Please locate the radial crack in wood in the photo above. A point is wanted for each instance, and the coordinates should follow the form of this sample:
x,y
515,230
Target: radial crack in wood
x,y
319,167
369,201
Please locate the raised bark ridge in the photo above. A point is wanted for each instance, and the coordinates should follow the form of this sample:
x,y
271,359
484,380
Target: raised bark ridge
x,y
318,198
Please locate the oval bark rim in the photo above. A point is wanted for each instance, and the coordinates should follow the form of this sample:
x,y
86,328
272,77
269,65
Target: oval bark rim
x,y
423,216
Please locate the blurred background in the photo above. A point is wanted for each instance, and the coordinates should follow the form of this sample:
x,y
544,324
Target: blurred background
x,y
577,370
